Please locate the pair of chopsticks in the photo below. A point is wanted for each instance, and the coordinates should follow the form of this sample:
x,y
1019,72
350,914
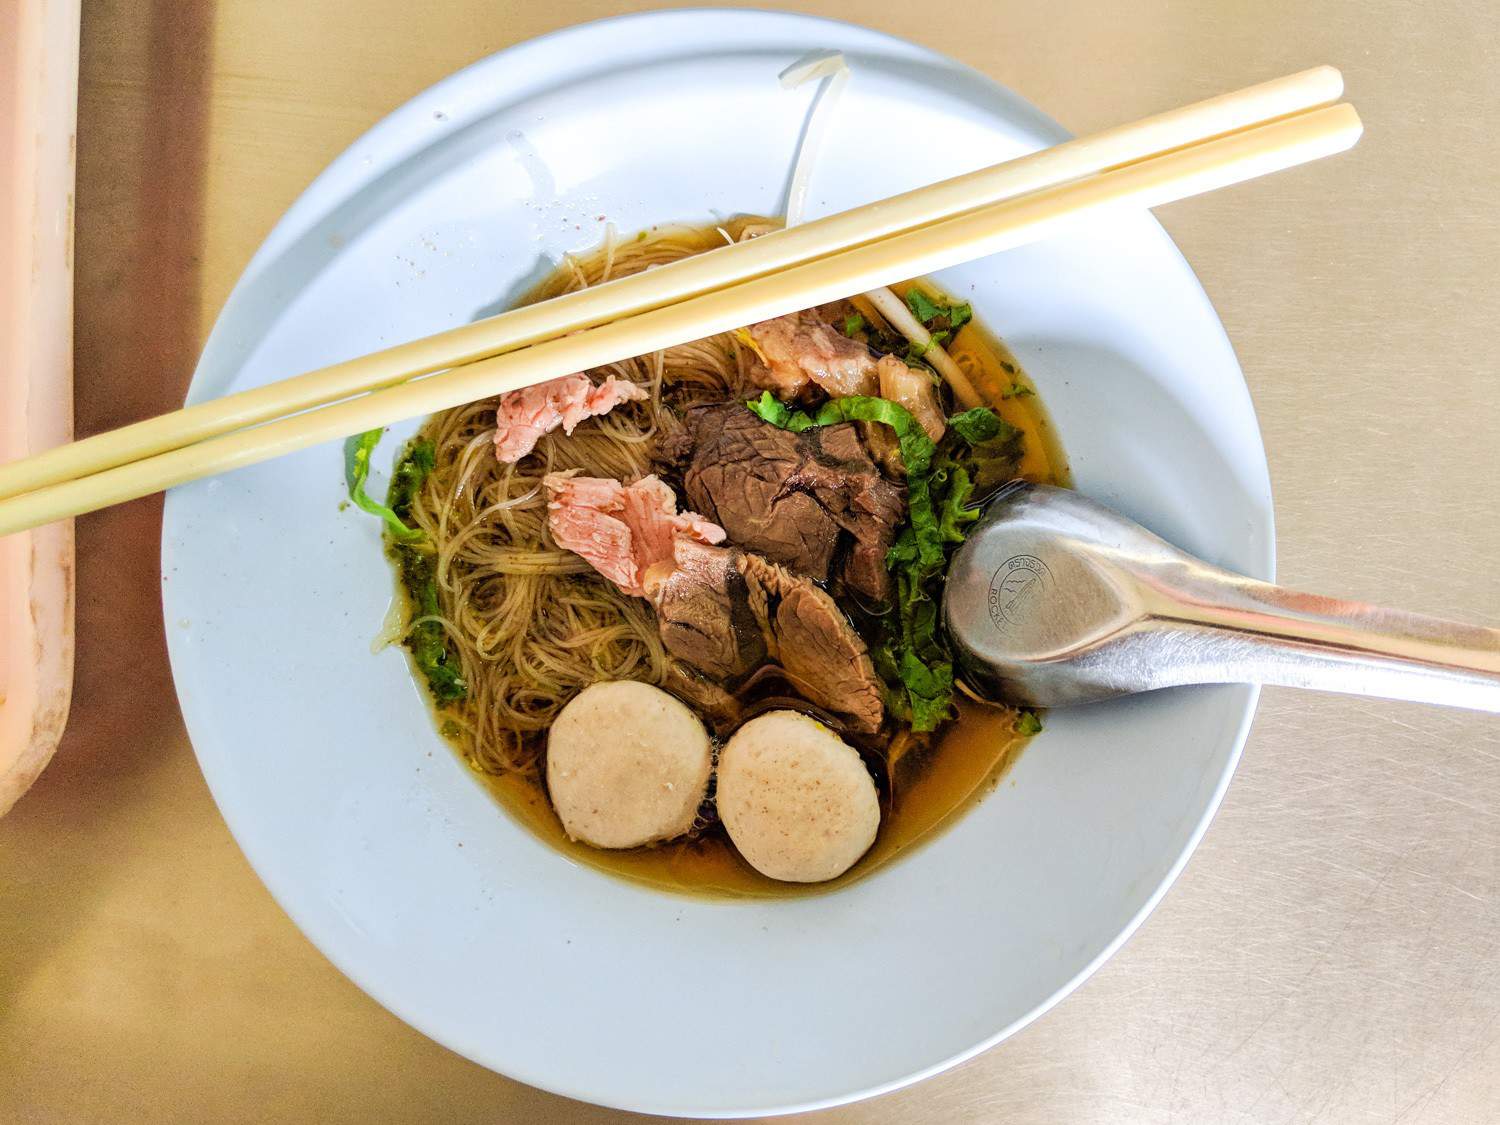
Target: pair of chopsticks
x,y
1181,153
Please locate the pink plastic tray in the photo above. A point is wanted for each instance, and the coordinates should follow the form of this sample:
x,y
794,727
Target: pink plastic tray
x,y
38,104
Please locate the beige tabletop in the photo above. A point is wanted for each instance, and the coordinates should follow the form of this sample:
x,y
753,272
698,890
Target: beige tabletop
x,y
1332,952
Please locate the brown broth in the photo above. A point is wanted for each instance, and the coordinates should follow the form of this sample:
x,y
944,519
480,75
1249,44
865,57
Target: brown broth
x,y
932,787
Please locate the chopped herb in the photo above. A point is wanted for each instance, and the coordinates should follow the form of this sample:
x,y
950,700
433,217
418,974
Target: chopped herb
x,y
411,471
427,640
936,315
1028,723
854,324
953,514
771,409
357,451
1017,390
923,307
978,425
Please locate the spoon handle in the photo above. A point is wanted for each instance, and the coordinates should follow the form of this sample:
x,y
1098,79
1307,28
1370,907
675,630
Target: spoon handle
x,y
1259,633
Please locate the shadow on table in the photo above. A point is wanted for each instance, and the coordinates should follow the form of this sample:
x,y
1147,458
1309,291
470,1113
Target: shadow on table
x,y
139,220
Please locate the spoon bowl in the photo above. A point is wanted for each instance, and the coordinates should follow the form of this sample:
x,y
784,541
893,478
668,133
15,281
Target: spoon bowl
x,y
1056,599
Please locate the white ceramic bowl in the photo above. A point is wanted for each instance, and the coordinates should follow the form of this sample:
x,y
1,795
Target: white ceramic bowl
x,y
375,838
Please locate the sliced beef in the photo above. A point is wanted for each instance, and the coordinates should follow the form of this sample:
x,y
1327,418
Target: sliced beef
x,y
800,351
726,612
810,501
623,530
523,416
811,638
703,612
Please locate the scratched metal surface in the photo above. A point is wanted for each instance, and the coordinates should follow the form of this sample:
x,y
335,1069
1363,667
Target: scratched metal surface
x,y
1331,954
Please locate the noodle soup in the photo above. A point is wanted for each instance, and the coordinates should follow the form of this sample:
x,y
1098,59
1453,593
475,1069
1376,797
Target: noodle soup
x,y
507,624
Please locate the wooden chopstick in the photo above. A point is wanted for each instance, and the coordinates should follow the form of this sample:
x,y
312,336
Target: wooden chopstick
x,y
518,328
1183,172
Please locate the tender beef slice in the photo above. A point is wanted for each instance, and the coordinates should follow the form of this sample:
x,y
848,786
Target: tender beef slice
x,y
718,706
703,613
866,506
798,499
725,613
838,445
811,638
737,477
802,350
523,416
624,531
674,447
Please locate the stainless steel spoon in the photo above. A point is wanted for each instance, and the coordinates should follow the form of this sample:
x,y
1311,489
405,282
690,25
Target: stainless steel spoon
x,y
1055,599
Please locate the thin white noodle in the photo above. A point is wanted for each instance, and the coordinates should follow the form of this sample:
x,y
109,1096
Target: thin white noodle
x,y
529,624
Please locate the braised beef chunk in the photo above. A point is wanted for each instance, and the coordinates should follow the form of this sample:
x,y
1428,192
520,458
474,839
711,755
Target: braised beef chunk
x,y
726,613
740,466
703,613
813,501
811,638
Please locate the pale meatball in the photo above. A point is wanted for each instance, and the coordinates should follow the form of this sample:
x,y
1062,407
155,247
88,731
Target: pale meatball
x,y
627,764
796,799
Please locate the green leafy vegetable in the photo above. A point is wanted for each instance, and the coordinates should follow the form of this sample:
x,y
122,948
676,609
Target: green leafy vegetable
x,y
357,452
953,515
411,472
996,459
937,316
771,409
917,448
1028,722
427,641
929,688
978,425
854,324
923,307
